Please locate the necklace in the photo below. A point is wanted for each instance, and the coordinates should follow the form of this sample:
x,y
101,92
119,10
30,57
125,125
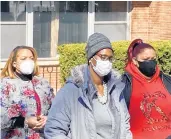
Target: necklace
x,y
103,99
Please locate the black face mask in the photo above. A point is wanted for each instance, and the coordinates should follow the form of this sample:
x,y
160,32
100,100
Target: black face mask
x,y
148,67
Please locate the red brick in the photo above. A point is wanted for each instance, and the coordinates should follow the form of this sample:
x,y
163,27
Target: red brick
x,y
151,20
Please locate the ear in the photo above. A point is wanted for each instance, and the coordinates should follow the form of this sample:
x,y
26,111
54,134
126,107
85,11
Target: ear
x,y
135,62
14,64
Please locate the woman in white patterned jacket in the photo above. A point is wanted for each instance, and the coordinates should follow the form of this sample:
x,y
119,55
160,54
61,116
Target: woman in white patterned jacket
x,y
25,97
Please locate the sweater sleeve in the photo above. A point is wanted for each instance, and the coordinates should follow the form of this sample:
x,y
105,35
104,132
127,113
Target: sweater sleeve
x,y
10,118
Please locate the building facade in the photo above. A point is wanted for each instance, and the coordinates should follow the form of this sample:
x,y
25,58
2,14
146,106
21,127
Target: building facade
x,y
46,24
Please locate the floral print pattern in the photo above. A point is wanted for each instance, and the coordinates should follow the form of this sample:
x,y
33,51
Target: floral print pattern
x,y
17,108
17,99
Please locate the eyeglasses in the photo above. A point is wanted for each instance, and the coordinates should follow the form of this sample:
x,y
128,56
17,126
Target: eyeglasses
x,y
105,57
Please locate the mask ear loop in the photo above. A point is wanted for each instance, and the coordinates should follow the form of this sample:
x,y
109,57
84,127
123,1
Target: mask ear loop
x,y
92,62
94,58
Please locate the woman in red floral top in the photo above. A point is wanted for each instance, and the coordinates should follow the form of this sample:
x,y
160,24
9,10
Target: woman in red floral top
x,y
25,97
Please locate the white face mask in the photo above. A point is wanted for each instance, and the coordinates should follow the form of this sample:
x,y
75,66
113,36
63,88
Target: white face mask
x,y
27,67
102,68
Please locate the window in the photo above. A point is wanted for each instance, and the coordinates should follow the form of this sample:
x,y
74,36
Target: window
x,y
111,11
52,23
111,19
13,11
113,31
13,26
57,23
73,22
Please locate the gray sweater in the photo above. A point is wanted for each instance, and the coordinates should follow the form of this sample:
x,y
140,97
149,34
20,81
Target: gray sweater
x,y
105,117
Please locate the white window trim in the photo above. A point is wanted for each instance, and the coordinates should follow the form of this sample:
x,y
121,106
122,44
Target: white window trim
x,y
91,17
29,23
128,35
13,23
110,22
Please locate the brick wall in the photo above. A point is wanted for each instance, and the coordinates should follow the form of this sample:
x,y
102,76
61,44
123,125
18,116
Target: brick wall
x,y
151,20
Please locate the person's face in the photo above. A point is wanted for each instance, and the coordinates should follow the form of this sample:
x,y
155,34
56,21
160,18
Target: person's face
x,y
146,54
22,54
104,54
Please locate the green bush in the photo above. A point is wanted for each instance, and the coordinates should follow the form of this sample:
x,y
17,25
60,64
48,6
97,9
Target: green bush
x,y
74,54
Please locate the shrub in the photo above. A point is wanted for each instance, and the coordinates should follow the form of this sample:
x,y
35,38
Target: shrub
x,y
74,54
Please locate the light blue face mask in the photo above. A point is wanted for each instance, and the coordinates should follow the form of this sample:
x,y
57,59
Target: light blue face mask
x,y
102,68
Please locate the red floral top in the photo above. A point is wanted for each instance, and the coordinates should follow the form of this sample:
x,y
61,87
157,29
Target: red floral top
x,y
17,99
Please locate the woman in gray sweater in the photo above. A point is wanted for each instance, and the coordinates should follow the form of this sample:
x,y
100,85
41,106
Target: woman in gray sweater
x,y
91,105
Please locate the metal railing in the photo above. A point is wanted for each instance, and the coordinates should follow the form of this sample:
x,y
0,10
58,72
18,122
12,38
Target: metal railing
x,y
50,72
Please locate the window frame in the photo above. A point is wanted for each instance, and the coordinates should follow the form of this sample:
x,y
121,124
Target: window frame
x,y
92,22
28,23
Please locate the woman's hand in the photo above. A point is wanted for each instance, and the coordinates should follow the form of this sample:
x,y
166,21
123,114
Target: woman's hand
x,y
41,122
36,123
31,121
